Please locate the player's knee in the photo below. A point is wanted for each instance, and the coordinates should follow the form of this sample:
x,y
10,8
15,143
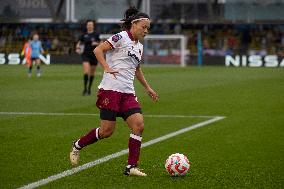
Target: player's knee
x,y
138,127
105,132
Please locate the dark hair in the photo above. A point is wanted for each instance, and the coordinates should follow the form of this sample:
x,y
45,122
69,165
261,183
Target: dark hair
x,y
131,14
94,22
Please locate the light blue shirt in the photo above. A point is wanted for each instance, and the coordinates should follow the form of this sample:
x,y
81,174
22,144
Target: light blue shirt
x,y
36,48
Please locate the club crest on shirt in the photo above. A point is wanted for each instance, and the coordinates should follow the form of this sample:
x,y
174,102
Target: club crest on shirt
x,y
116,37
105,101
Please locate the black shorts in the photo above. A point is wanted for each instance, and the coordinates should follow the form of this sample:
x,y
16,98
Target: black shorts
x,y
34,58
91,58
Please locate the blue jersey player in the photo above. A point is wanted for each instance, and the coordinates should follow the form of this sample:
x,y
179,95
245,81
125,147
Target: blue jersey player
x,y
37,50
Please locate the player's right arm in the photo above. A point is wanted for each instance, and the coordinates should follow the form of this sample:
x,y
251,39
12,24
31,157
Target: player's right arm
x,y
24,49
99,52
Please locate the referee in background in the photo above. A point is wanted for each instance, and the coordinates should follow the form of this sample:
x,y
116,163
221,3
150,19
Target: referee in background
x,y
85,46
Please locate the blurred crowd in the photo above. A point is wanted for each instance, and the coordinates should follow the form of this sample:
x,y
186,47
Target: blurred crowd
x,y
55,39
217,40
220,40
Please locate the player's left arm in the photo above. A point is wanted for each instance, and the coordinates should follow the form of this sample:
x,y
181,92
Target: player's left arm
x,y
41,49
140,76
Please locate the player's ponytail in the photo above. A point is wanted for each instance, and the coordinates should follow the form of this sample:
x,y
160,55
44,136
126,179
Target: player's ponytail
x,y
132,15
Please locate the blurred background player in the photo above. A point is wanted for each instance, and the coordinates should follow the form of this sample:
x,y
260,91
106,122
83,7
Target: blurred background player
x,y
85,46
116,97
36,51
27,53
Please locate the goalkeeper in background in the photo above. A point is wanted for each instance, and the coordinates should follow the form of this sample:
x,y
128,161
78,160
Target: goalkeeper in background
x,y
27,53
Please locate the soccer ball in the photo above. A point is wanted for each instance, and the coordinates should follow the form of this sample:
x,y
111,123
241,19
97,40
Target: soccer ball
x,y
177,164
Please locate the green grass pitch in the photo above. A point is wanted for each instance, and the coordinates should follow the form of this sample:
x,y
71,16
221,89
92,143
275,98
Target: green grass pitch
x,y
244,150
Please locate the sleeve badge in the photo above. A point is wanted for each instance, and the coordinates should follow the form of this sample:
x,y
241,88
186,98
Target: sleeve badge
x,y
116,37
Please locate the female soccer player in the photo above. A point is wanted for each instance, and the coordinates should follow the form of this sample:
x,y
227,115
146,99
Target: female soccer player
x,y
116,95
36,50
89,41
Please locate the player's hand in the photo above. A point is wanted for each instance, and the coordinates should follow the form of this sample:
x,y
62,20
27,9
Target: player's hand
x,y
152,94
78,50
111,71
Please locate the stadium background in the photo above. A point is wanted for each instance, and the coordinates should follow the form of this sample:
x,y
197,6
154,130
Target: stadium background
x,y
40,117
227,27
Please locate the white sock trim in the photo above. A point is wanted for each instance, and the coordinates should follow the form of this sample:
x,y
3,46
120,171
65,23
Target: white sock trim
x,y
136,137
77,145
97,133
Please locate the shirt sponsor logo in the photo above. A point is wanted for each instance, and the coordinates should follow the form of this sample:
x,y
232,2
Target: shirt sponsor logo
x,y
134,56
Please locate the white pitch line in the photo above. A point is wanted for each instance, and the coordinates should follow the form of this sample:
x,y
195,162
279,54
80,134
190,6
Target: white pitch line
x,y
48,114
87,114
179,116
115,155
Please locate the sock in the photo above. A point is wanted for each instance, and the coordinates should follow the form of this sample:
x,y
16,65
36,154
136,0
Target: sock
x,y
38,69
89,138
85,81
76,146
30,69
90,82
134,145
